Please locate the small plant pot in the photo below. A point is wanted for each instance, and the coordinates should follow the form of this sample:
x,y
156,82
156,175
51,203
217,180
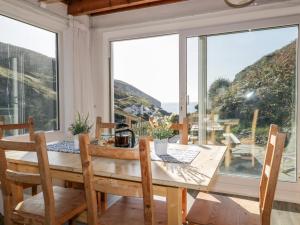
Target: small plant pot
x,y
76,141
161,146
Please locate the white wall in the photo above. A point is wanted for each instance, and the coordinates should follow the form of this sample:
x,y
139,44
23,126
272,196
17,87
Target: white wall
x,y
54,18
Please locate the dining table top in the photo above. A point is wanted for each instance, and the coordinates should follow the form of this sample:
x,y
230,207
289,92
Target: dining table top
x,y
196,175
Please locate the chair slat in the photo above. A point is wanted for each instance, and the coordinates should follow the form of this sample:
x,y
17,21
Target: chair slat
x,y
128,189
28,178
18,146
107,125
114,152
267,171
273,140
100,126
14,126
176,126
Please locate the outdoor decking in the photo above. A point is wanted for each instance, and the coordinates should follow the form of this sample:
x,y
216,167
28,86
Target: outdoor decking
x,y
241,163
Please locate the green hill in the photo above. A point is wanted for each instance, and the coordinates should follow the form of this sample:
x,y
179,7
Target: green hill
x,y
268,85
37,87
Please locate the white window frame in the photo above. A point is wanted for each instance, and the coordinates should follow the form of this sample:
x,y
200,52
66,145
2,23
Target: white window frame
x,y
224,22
27,13
245,185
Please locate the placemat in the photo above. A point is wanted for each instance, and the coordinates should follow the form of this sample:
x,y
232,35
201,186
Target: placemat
x,y
174,155
64,146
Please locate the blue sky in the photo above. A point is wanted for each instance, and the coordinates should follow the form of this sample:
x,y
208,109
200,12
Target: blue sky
x,y
23,35
228,54
152,64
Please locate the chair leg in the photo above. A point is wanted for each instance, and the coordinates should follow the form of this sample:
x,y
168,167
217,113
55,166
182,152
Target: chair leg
x,y
98,196
34,190
104,204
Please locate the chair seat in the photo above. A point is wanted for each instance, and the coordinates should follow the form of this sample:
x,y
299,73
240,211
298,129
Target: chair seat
x,y
130,211
210,209
68,203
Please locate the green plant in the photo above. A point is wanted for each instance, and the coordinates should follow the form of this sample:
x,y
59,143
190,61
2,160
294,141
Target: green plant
x,y
80,125
161,127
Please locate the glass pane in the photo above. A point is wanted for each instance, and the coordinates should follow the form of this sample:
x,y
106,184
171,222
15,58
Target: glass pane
x,y
146,80
28,75
250,83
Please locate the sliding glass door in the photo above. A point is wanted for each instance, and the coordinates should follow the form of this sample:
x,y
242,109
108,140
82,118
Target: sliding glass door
x,y
145,76
237,85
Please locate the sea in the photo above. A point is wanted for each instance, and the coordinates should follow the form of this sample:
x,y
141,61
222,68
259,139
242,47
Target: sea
x,y
173,107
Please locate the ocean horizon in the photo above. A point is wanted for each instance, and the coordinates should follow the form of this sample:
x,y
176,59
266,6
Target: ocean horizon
x,y
173,107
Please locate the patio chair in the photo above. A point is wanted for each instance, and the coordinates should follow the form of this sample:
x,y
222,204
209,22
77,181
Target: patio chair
x,y
213,209
138,207
54,205
29,125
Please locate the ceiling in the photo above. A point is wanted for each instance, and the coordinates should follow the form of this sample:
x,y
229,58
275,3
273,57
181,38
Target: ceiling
x,y
100,7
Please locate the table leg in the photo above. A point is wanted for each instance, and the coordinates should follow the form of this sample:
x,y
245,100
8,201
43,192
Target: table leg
x,y
184,205
174,204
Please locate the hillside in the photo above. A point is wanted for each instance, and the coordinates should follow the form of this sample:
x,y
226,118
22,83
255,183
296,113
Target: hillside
x,y
131,100
268,85
124,90
36,75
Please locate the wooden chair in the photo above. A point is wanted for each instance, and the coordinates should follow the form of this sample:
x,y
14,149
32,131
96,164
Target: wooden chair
x,y
131,210
54,205
181,127
29,125
212,209
100,126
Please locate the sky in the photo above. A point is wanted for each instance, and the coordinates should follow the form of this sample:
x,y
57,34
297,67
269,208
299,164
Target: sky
x,y
24,35
152,64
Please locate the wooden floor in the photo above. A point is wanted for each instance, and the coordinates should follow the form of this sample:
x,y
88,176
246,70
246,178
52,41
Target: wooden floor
x,y
283,213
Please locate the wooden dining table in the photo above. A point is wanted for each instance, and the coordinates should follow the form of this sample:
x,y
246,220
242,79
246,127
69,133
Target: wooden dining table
x,y
169,179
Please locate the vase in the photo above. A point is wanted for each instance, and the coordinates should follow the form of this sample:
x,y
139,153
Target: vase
x,y
76,141
161,146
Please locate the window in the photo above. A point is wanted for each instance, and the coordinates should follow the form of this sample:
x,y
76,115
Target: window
x,y
146,80
28,74
243,82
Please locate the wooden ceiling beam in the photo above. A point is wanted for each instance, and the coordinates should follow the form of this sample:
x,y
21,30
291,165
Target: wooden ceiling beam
x,y
95,7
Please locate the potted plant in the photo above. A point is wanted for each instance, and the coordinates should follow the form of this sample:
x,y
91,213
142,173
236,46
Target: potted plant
x,y
79,126
161,132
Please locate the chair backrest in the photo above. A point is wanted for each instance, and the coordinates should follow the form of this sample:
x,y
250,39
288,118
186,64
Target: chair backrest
x,y
183,129
10,177
143,189
100,126
270,172
29,125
